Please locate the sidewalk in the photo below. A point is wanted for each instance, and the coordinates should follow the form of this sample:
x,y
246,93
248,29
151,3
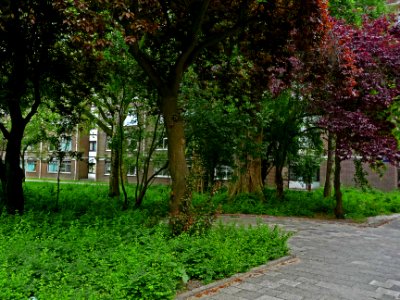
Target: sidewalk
x,y
330,260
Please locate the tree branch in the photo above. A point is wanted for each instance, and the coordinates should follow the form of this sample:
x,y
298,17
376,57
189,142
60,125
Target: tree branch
x,y
36,103
193,39
98,121
145,63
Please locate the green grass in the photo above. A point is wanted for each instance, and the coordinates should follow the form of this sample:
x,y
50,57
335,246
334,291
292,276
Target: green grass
x,y
90,249
358,205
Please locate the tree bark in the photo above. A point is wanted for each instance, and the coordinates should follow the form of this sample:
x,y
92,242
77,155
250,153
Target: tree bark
x,y
249,172
279,181
339,212
13,175
178,169
113,190
249,180
329,166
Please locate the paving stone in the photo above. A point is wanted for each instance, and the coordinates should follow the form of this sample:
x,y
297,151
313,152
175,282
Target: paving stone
x,y
248,294
249,286
394,282
269,284
288,296
289,282
336,261
232,290
388,292
266,297
386,284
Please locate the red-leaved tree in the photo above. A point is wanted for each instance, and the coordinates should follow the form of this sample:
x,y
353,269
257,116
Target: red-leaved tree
x,y
361,83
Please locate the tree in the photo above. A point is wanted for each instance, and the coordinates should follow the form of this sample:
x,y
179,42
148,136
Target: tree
x,y
113,100
166,37
364,85
289,132
212,127
32,64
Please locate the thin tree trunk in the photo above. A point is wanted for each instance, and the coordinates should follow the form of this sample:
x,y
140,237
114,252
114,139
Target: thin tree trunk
x,y
113,190
60,160
279,182
329,166
339,212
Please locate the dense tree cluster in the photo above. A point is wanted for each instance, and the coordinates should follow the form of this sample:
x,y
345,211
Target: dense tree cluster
x,y
251,84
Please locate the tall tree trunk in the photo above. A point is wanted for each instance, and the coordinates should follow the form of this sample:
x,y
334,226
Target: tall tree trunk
x,y
113,190
329,166
279,181
178,169
13,175
339,212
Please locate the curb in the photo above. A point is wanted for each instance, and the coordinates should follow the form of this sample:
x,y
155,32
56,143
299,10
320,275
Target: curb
x,y
380,220
375,221
214,287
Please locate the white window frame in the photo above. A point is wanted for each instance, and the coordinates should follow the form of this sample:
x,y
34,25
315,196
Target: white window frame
x,y
66,143
64,164
164,145
157,164
27,164
107,170
92,149
225,170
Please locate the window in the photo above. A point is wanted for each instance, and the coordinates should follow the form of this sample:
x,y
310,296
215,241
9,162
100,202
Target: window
x,y
131,120
108,143
107,167
66,144
293,176
92,165
163,144
30,165
52,147
52,166
131,170
92,145
92,168
132,144
65,167
223,172
157,165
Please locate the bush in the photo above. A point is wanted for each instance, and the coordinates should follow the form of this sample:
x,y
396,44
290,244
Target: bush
x,y
358,204
93,250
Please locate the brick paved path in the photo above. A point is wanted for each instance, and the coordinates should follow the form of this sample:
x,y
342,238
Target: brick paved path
x,y
333,261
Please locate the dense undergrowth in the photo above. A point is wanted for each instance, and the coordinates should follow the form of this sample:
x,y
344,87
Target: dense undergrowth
x,y
91,249
358,204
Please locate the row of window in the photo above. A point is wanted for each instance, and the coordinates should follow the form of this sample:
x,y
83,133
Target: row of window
x,y
66,145
52,166
221,173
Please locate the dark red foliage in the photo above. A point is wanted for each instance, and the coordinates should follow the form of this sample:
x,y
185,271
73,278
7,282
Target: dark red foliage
x,y
362,81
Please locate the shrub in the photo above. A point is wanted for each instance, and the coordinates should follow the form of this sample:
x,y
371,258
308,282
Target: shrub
x,y
92,249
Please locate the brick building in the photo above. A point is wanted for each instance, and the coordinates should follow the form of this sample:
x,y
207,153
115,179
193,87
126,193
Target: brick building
x,y
39,164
